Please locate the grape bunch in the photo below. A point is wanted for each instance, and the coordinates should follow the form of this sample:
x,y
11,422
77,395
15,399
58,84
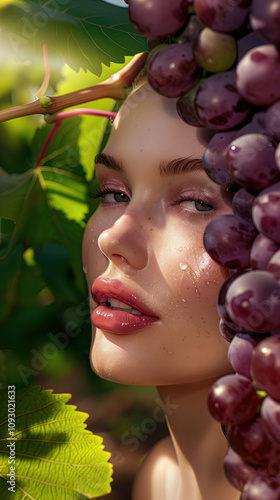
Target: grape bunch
x,y
221,60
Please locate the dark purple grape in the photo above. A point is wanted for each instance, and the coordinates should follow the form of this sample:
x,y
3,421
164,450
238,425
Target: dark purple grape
x,y
266,364
214,158
270,415
222,308
256,126
247,43
257,76
214,51
272,121
265,19
232,400
154,19
219,105
227,333
173,71
262,251
186,107
237,471
250,441
253,301
242,204
266,210
240,353
222,15
274,265
191,31
277,156
228,240
261,487
251,162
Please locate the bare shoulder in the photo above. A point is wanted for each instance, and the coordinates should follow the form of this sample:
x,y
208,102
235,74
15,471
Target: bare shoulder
x,y
150,482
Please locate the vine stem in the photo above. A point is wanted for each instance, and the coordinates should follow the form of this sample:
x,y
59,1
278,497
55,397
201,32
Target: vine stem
x,y
49,138
114,87
77,112
45,84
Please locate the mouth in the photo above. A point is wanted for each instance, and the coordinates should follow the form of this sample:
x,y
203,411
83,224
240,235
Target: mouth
x,y
118,309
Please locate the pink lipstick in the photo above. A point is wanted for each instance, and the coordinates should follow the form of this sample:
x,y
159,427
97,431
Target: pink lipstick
x,y
118,309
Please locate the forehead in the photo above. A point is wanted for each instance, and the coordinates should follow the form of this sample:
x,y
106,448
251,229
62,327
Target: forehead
x,y
148,126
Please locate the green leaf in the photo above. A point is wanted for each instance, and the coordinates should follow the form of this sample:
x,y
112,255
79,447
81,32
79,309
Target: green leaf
x,y
85,33
55,456
47,206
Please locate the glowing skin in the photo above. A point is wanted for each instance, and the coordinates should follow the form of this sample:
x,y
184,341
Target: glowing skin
x,y
152,243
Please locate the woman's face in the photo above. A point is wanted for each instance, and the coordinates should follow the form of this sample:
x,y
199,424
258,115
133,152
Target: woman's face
x,y
145,245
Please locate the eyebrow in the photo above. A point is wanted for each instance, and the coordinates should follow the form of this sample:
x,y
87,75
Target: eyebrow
x,y
173,167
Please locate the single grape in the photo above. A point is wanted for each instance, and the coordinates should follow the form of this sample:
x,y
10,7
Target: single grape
x,y
272,121
257,125
242,204
250,441
261,487
191,31
218,103
252,301
262,251
274,265
222,15
237,471
186,107
251,162
277,156
270,415
257,76
214,158
232,400
214,51
173,70
265,19
228,240
240,353
227,333
265,364
266,211
157,19
226,320
247,43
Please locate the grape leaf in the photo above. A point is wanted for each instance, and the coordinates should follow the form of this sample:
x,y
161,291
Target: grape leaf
x,y
85,33
47,206
55,456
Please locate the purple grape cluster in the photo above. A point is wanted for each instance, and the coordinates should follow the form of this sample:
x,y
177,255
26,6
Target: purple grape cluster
x,y
221,60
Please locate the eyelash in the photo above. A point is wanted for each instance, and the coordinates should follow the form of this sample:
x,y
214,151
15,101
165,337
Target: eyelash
x,y
100,193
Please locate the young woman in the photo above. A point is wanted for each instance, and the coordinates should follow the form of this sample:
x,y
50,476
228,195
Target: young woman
x,y
154,289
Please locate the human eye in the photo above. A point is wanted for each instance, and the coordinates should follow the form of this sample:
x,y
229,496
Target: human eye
x,y
110,196
194,205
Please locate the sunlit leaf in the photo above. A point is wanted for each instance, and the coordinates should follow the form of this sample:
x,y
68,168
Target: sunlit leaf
x,y
85,33
55,456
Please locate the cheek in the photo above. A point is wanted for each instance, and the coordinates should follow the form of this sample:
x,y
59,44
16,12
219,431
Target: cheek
x,y
94,262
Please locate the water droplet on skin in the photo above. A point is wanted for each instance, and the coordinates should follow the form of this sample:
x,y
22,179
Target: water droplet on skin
x,y
212,284
85,269
197,292
179,249
183,266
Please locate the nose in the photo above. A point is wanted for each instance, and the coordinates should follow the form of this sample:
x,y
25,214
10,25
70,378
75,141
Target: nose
x,y
125,244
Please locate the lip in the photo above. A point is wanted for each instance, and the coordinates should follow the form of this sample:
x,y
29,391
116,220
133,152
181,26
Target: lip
x,y
115,321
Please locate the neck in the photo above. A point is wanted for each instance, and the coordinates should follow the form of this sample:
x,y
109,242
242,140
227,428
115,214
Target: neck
x,y
198,441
